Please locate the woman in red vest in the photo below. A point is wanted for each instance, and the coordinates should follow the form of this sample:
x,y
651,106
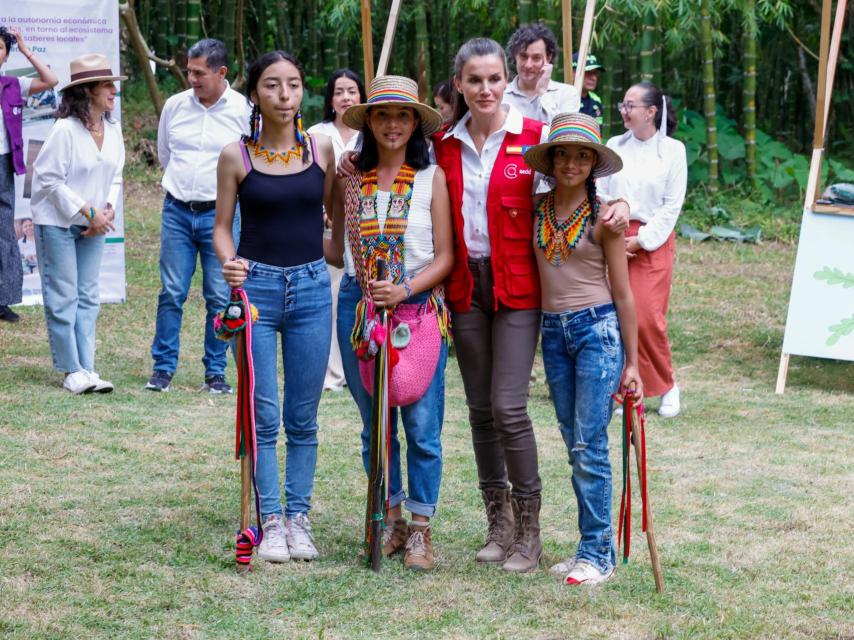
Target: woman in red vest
x,y
494,294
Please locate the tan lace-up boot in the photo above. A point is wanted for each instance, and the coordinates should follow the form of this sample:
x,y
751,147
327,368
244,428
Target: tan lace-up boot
x,y
419,549
499,518
395,537
527,547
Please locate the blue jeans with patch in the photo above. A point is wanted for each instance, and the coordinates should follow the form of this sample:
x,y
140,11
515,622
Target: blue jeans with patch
x,y
183,236
422,420
296,304
69,267
583,358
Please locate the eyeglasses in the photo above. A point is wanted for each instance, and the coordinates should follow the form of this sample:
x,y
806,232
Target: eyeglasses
x,y
628,106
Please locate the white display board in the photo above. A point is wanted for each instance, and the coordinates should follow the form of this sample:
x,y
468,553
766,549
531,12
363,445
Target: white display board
x,y
58,31
821,310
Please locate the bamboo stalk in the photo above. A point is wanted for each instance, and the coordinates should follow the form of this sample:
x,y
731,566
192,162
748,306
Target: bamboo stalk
x,y
709,104
584,44
566,20
388,40
367,42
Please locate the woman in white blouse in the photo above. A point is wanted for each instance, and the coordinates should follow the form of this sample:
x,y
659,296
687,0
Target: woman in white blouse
x,y
653,181
72,205
343,90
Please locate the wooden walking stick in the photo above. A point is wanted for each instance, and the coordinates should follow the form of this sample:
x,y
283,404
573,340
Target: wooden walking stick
x,y
639,444
634,436
378,447
235,322
584,44
388,40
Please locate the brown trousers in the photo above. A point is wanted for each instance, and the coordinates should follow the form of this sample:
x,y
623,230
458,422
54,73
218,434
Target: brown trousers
x,y
495,351
651,277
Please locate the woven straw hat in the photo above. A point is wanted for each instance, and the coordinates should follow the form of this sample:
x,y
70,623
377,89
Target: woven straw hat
x,y
92,67
395,91
574,128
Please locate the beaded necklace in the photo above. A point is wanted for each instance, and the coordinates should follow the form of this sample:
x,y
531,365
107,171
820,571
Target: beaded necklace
x,y
386,242
558,239
271,156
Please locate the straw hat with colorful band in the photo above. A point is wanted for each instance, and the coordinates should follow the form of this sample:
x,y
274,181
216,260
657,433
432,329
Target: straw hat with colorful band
x,y
579,129
395,91
92,67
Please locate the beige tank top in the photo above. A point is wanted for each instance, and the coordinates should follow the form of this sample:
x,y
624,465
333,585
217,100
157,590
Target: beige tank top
x,y
578,283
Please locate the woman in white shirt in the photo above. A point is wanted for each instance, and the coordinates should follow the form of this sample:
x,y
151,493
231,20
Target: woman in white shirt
x,y
653,181
14,92
343,90
72,206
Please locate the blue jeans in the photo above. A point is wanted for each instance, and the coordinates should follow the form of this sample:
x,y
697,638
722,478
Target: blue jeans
x,y
296,303
183,235
69,266
422,420
583,358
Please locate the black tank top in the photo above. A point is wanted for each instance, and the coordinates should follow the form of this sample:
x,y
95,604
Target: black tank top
x,y
281,216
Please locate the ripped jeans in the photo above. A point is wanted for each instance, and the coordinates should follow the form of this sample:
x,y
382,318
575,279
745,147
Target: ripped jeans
x,y
583,359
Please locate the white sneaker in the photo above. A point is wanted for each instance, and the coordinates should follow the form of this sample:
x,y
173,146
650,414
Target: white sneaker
x,y
587,574
274,544
101,386
78,382
300,540
670,406
562,569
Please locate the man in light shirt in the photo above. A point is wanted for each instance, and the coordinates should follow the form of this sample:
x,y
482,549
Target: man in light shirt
x,y
533,48
194,127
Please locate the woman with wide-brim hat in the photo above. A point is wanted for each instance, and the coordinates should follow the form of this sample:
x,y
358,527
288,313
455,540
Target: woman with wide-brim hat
x,y
395,207
588,324
74,193
13,94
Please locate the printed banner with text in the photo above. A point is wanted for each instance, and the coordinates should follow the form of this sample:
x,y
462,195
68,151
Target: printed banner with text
x,y
58,31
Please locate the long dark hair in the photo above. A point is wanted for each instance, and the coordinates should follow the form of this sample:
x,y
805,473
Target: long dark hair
x,y
654,97
417,150
253,76
75,102
328,112
472,49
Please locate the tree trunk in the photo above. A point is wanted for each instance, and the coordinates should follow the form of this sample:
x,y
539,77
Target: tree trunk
x,y
750,35
612,92
238,45
422,45
161,45
648,42
180,24
141,51
709,93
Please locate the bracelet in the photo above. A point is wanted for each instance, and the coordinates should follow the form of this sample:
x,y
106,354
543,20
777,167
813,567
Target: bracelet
x,y
91,215
408,288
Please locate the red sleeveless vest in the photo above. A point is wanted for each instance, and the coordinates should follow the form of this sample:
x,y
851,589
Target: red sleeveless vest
x,y
509,210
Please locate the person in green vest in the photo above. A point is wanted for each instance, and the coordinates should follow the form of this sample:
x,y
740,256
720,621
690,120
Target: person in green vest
x,y
591,103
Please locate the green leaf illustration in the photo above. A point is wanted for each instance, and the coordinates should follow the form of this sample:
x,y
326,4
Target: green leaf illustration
x,y
835,276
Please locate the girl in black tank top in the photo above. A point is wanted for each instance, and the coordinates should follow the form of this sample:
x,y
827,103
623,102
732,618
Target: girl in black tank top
x,y
282,179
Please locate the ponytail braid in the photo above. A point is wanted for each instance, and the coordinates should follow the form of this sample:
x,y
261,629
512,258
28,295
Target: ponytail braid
x,y
594,204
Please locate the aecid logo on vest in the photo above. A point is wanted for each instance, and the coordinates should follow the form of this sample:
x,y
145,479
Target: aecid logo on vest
x,y
512,171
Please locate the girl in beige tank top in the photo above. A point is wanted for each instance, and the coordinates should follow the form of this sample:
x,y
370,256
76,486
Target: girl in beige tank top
x,y
589,328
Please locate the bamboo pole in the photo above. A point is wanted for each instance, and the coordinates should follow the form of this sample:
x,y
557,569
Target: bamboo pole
x,y
823,93
584,44
367,42
833,58
388,40
566,19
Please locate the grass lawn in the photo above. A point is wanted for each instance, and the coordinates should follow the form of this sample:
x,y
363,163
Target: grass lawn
x,y
117,512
